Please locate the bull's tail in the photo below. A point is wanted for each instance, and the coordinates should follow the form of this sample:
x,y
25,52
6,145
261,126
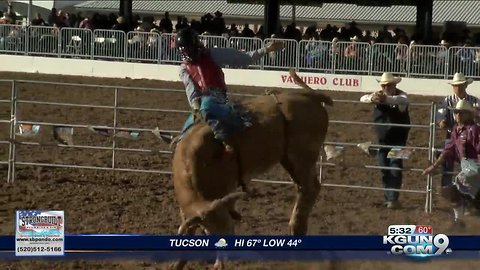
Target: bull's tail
x,y
323,98
212,207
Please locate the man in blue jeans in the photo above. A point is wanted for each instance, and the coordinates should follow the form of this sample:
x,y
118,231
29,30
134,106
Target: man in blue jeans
x,y
391,107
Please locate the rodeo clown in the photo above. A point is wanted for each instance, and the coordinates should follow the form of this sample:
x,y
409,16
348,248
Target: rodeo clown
x,y
446,120
463,147
201,72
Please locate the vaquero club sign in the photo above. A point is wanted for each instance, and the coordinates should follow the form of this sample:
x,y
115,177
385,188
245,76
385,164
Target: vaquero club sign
x,y
325,81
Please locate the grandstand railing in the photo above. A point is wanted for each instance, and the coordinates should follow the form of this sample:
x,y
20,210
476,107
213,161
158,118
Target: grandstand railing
x,y
306,55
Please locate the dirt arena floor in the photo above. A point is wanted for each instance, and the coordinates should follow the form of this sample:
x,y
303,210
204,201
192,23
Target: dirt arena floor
x,y
106,202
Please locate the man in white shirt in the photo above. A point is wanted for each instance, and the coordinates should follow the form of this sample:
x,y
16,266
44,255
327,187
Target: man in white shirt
x,y
391,107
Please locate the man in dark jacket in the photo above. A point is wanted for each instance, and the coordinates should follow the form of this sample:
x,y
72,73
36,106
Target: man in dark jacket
x,y
391,107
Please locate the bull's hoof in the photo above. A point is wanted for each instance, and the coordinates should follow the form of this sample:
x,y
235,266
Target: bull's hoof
x,y
457,225
176,265
218,265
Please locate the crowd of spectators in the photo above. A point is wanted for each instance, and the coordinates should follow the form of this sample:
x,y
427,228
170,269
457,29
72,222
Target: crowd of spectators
x,y
315,54
215,25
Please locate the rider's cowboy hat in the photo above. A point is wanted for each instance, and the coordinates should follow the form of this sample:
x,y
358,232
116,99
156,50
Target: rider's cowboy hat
x,y
463,105
355,38
459,78
388,78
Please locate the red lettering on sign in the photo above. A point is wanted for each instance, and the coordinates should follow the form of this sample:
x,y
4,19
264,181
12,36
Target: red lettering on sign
x,y
317,80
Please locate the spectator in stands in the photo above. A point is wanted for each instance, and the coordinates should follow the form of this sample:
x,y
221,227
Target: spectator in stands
x,y
466,57
148,24
260,33
292,32
384,36
247,32
335,49
121,25
446,120
38,20
180,25
207,23
352,54
353,30
166,23
218,22
233,31
464,144
196,25
401,52
86,23
391,107
11,14
5,19
52,18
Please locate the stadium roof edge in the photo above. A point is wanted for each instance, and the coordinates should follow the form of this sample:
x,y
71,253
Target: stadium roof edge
x,y
443,10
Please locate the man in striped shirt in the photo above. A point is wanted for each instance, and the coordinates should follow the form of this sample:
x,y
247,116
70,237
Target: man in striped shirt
x,y
445,118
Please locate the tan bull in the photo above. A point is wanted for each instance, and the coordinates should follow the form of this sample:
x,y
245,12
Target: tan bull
x,y
289,128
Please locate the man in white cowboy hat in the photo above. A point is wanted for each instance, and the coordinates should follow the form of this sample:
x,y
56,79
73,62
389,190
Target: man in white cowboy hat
x,y
464,144
391,107
445,117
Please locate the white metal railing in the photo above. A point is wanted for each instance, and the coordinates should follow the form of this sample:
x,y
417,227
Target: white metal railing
x,y
306,55
16,102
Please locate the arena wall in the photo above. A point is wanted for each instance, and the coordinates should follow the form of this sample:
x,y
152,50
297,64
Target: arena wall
x,y
250,77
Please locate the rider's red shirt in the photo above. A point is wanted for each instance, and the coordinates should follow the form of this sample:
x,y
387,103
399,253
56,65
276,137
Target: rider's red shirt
x,y
206,73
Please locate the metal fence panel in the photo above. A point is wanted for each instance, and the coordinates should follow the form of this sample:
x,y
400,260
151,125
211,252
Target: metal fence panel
x,y
465,60
285,58
169,52
351,57
428,61
109,44
306,55
76,42
391,58
43,40
13,38
315,55
246,45
214,41
143,47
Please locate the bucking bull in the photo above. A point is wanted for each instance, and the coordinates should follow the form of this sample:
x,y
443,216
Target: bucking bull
x,y
289,128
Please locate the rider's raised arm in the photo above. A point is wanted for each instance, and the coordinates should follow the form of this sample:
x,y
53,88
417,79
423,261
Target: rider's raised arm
x,y
236,58
190,87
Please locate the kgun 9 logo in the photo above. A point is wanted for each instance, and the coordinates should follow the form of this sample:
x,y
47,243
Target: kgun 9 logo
x,y
418,245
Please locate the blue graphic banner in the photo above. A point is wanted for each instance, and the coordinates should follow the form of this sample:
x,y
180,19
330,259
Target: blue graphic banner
x,y
233,243
250,255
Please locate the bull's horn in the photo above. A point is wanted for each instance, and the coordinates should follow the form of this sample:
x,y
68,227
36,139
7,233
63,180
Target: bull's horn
x,y
226,199
196,220
189,223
